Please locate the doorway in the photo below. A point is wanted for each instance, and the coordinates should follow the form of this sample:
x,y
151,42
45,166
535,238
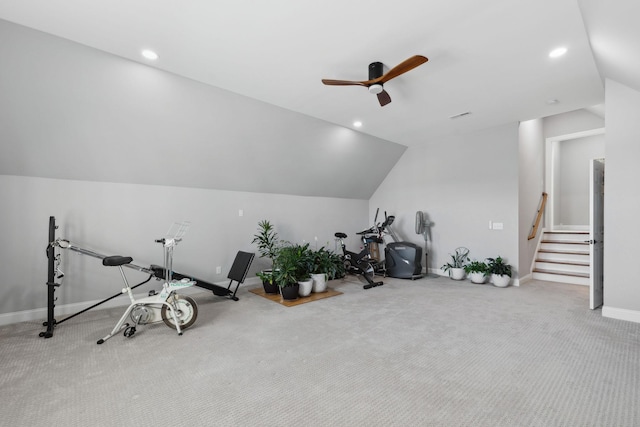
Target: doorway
x,y
567,174
574,178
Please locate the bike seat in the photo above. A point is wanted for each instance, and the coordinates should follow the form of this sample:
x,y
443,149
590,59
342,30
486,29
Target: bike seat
x,y
340,235
116,260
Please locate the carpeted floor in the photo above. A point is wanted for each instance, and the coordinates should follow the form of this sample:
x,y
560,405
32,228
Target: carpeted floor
x,y
430,352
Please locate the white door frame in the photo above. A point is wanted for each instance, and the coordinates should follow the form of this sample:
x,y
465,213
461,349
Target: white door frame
x,y
550,149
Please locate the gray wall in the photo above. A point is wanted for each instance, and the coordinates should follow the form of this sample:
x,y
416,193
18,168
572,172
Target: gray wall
x,y
571,122
530,188
554,127
574,165
622,204
462,182
124,219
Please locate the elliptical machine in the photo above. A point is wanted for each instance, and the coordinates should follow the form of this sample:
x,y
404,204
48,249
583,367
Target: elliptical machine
x,y
402,259
363,263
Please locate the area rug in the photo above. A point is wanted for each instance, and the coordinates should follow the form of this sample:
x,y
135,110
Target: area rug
x,y
301,300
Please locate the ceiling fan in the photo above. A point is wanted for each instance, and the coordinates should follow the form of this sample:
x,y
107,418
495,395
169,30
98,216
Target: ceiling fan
x,y
377,79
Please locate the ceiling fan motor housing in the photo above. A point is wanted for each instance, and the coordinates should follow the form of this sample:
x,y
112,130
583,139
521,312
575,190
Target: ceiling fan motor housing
x,y
375,70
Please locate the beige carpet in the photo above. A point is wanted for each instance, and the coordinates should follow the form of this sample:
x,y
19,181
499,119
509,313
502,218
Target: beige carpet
x,y
430,352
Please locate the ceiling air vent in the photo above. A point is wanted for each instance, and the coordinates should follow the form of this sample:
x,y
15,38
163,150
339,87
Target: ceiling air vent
x,y
457,116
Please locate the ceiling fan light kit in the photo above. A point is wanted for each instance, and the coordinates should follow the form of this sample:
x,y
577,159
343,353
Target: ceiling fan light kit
x,y
377,78
375,89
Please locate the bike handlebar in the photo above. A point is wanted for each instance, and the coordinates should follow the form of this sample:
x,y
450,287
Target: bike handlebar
x,y
168,242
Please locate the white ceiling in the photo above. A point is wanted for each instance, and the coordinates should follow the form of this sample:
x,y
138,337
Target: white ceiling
x,y
486,57
614,33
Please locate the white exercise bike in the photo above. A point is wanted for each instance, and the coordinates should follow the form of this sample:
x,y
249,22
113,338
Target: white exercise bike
x,y
177,311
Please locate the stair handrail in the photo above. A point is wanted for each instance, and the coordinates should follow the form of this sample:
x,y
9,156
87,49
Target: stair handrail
x,y
536,223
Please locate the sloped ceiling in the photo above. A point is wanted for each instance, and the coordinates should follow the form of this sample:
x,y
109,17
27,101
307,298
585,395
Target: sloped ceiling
x,y
68,111
487,58
614,34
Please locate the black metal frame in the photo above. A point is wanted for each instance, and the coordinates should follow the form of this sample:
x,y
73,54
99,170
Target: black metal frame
x,y
51,284
358,263
51,322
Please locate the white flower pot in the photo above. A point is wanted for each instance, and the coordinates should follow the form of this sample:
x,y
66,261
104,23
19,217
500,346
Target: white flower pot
x,y
501,281
477,277
456,273
319,282
305,288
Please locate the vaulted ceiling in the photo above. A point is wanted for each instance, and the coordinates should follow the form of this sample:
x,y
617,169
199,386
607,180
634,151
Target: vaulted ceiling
x,y
487,58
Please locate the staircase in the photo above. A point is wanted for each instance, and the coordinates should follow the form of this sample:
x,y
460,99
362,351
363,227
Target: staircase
x,y
563,256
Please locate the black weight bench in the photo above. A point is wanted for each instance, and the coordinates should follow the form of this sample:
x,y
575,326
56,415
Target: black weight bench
x,y
238,273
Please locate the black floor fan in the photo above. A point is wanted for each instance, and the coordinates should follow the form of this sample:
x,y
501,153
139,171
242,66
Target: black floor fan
x,y
422,227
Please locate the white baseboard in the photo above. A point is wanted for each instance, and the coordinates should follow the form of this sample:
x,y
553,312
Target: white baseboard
x,y
249,281
621,314
23,316
438,272
524,279
63,310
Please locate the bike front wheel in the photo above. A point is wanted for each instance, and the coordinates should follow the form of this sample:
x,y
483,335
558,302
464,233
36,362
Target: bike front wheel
x,y
186,311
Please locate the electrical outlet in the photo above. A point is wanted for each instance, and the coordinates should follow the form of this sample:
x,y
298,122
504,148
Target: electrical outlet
x,y
218,270
240,212
498,226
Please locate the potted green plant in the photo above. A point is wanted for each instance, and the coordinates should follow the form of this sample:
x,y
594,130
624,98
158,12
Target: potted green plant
x,y
306,258
323,267
292,265
477,271
337,270
500,271
268,282
268,244
455,267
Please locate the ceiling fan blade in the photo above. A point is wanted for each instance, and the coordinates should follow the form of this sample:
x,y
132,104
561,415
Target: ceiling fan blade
x,y
384,98
403,67
342,83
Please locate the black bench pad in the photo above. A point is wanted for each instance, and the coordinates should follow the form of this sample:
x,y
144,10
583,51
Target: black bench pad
x,y
115,260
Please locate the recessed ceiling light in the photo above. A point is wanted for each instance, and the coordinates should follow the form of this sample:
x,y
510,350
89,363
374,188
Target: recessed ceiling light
x,y
149,54
556,53
357,123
